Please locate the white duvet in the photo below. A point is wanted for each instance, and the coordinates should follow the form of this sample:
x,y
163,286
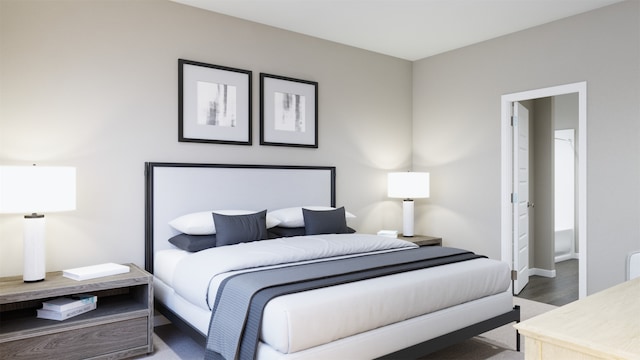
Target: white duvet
x,y
300,321
197,276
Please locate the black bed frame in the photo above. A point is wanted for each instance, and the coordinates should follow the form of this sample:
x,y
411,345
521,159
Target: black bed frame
x,y
412,352
452,338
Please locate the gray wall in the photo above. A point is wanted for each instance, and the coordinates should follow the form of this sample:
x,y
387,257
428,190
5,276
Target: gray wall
x,y
542,250
565,109
94,85
457,130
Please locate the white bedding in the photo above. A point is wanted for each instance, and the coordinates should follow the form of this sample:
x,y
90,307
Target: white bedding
x,y
296,322
197,276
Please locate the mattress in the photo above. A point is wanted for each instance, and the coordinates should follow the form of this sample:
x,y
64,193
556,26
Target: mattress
x,y
302,321
397,336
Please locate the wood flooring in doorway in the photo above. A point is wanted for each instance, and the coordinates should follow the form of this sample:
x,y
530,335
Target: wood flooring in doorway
x,y
558,291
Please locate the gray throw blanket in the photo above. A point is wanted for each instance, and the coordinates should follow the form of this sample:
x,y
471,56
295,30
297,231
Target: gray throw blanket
x,y
235,324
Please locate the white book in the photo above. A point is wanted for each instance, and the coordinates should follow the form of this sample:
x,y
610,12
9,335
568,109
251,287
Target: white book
x,y
68,303
95,271
63,315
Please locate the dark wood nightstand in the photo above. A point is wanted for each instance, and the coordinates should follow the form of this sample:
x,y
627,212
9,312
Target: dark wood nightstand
x,y
422,240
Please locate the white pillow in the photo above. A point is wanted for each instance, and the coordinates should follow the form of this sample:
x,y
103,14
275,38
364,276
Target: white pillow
x,y
201,223
292,217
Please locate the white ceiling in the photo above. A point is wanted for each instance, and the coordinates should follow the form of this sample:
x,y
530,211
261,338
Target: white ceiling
x,y
408,29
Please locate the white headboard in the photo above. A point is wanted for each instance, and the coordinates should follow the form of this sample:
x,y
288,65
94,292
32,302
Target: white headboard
x,y
174,189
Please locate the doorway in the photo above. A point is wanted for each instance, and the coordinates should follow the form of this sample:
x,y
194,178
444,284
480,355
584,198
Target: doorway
x,y
510,245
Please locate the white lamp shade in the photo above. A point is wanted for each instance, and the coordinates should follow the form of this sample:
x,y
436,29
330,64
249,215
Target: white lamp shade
x,y
408,185
34,189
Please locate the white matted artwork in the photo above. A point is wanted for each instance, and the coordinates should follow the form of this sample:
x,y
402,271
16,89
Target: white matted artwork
x,y
214,103
288,111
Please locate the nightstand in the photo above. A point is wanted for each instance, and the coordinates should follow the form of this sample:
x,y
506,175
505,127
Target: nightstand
x,y
121,325
422,240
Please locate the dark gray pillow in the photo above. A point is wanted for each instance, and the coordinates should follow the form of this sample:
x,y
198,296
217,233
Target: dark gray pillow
x,y
324,221
279,231
234,229
193,243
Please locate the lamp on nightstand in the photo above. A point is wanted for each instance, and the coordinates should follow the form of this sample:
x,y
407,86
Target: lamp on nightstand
x,y
36,189
408,186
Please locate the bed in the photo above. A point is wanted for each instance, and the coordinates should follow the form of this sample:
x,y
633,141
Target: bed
x,y
388,315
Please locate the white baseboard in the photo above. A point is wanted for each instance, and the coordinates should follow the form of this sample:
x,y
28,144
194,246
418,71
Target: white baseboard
x,y
564,257
542,272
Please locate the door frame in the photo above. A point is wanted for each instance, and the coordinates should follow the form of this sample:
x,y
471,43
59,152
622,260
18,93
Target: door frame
x,y
506,187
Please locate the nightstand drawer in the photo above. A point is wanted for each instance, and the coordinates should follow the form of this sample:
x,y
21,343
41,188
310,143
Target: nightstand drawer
x,y
81,343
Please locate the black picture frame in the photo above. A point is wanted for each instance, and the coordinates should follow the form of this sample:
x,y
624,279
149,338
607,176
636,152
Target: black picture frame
x,y
288,111
214,103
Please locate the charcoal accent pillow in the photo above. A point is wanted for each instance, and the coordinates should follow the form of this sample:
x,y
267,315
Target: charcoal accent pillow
x,y
235,229
193,243
325,221
279,231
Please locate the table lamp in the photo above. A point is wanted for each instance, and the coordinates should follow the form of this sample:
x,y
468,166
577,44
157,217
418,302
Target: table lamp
x,y
33,190
408,186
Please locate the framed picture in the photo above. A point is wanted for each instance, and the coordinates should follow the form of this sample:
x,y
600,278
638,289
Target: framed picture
x,y
288,111
214,104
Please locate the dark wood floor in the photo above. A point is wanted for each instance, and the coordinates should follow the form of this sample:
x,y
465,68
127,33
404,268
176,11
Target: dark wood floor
x,y
558,291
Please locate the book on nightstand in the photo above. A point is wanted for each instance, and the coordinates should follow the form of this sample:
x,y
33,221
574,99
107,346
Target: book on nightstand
x,y
63,315
95,271
68,303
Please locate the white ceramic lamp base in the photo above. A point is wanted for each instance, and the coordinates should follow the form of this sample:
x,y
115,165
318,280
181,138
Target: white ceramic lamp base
x,y
34,246
407,217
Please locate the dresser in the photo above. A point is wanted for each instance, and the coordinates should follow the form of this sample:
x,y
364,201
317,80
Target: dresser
x,y
605,325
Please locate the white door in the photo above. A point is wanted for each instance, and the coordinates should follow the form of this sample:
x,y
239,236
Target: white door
x,y
520,196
